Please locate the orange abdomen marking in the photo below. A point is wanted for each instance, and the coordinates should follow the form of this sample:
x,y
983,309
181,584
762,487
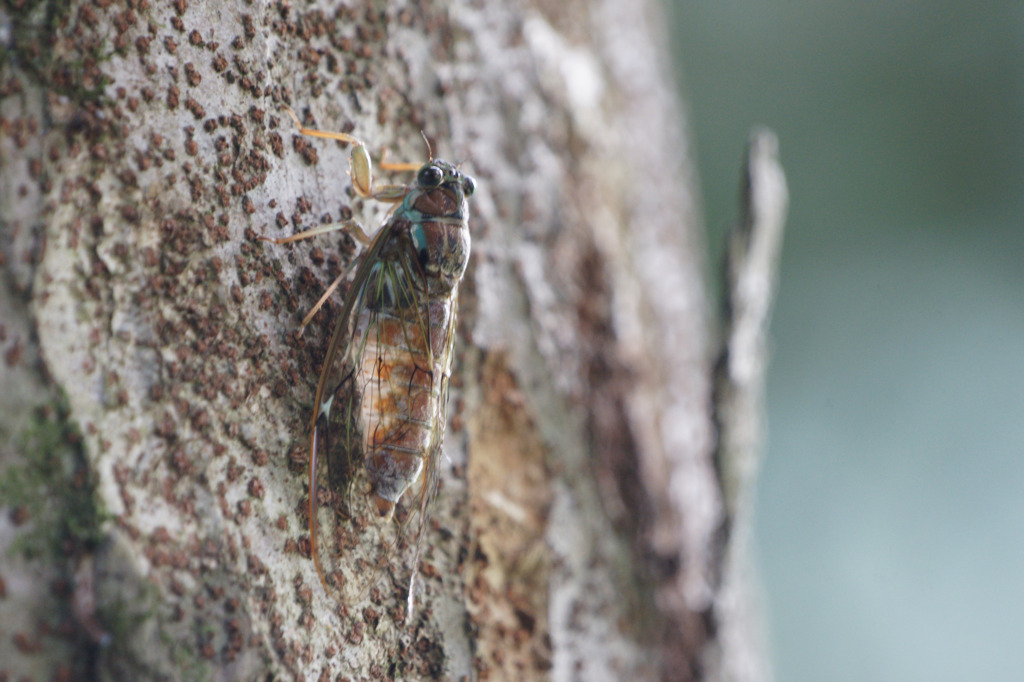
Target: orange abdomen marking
x,y
401,380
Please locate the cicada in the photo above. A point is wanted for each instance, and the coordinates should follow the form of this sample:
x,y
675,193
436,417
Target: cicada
x,y
381,400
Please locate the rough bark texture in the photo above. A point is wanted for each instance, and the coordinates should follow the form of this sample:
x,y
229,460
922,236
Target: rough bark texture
x,y
749,285
144,148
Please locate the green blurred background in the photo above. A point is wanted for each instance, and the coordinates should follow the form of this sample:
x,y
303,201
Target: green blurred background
x,y
891,505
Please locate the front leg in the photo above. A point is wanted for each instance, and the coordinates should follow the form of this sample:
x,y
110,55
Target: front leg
x,y
360,165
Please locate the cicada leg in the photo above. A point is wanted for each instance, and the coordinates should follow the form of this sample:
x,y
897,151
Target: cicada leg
x,y
360,165
397,165
350,227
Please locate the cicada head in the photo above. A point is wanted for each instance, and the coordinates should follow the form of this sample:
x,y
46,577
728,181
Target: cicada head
x,y
441,190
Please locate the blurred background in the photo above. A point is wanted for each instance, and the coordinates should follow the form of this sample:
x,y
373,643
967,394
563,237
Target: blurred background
x,y
890,521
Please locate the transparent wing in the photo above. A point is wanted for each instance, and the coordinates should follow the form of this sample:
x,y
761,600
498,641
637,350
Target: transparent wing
x,y
444,336
379,421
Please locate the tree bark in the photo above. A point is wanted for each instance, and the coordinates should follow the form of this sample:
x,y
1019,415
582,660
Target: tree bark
x,y
145,148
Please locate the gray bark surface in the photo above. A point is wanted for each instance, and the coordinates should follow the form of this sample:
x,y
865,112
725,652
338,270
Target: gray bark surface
x,y
144,148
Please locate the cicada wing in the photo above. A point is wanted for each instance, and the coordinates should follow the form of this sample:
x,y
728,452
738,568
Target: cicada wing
x,y
332,469
335,448
399,391
442,341
376,404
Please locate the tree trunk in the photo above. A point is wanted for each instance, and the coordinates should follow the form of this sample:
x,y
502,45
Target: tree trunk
x,y
157,393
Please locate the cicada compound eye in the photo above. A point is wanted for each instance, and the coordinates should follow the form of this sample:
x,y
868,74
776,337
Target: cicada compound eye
x,y
429,176
468,186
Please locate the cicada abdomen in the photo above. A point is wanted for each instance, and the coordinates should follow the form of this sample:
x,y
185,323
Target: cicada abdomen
x,y
384,385
403,374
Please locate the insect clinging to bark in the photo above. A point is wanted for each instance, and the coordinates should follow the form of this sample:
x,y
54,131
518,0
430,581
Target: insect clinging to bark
x,y
381,400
